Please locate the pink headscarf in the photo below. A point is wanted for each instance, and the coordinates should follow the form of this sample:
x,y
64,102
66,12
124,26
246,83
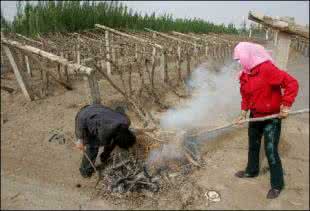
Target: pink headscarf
x,y
250,55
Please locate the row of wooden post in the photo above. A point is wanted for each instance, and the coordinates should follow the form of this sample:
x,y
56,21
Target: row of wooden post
x,y
23,80
301,46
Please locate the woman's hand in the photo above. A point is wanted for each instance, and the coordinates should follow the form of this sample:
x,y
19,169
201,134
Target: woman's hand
x,y
240,118
284,111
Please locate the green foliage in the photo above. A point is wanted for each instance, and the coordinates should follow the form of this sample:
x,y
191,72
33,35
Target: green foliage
x,y
5,25
72,16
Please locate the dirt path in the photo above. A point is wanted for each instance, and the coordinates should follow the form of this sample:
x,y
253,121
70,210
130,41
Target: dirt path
x,y
37,174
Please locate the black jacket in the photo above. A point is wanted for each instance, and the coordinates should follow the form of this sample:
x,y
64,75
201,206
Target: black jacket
x,y
98,123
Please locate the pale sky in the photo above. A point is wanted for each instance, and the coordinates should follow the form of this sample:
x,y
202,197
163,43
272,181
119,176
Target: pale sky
x,y
214,11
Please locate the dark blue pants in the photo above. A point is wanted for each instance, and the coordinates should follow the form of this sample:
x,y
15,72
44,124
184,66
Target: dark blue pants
x,y
271,130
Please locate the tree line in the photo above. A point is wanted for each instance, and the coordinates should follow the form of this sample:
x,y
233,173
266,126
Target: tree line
x,y
73,16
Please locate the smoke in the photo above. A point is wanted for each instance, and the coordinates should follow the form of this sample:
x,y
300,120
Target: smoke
x,y
215,99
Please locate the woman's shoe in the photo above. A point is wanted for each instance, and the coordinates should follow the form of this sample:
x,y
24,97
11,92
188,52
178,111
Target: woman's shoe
x,y
273,193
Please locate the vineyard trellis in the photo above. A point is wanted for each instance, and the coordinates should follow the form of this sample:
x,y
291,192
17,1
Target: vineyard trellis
x,y
141,66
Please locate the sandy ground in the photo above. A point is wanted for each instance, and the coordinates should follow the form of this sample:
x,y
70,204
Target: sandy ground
x,y
37,174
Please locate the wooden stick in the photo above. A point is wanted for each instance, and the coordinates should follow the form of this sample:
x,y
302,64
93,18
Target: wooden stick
x,y
20,77
91,163
186,35
249,120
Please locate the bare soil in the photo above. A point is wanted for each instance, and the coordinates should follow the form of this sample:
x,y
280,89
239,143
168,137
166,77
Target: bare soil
x,y
37,174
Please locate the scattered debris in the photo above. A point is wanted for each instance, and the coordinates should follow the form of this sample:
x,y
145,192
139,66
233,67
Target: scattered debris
x,y
213,196
4,118
56,136
8,89
16,195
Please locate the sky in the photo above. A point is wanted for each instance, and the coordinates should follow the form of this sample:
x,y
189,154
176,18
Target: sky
x,y
215,11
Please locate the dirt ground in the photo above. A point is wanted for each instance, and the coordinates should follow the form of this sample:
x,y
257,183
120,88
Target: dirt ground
x,y
37,174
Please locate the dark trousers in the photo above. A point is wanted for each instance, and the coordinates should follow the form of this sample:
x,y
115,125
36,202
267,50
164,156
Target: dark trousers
x,y
271,130
91,149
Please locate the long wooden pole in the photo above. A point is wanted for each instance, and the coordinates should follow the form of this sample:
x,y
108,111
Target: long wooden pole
x,y
170,37
128,36
259,119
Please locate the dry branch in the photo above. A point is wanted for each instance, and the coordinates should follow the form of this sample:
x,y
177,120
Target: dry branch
x,y
186,35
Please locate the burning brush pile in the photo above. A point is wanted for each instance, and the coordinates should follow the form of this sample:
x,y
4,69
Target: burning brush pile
x,y
131,171
125,173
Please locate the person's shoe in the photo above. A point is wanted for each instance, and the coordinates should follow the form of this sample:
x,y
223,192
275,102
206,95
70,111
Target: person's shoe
x,y
243,174
273,193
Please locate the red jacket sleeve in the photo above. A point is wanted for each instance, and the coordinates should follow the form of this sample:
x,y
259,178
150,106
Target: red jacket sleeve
x,y
244,99
286,82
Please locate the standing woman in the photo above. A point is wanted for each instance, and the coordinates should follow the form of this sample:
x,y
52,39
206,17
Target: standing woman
x,y
265,90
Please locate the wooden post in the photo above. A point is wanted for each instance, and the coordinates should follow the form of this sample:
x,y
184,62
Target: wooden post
x,y
207,51
275,40
108,56
28,66
179,62
60,66
20,77
164,65
94,88
154,52
45,83
112,50
282,50
250,34
307,50
188,58
101,52
78,53
195,52
136,51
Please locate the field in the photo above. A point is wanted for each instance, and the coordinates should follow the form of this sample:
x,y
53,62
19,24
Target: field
x,y
38,174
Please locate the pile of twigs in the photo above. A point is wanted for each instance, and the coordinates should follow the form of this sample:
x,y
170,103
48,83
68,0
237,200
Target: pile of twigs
x,y
124,173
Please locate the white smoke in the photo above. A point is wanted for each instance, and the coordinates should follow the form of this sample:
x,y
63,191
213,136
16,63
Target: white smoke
x,y
215,99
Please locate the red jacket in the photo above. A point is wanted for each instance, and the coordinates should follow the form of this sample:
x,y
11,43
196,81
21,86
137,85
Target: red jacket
x,y
261,89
